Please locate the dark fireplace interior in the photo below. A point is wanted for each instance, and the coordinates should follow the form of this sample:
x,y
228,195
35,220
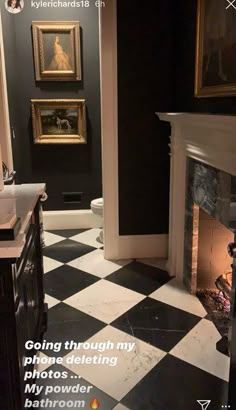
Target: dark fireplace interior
x,y
213,269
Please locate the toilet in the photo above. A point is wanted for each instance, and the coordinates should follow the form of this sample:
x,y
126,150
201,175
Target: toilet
x,y
97,208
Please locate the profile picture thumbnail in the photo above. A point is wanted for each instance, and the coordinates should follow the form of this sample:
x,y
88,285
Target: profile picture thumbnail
x,y
14,6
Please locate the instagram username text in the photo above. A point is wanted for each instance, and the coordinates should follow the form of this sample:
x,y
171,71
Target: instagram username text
x,y
66,4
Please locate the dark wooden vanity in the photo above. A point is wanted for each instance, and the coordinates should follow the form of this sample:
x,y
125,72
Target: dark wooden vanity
x,y
23,313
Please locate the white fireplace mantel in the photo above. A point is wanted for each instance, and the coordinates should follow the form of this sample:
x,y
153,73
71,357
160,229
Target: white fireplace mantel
x,y
208,138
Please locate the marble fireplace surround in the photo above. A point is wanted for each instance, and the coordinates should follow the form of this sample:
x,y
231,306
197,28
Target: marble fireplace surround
x,y
209,139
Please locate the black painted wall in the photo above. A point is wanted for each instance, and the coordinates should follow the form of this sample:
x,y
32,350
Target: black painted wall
x,y
64,168
156,67
185,41
146,77
13,85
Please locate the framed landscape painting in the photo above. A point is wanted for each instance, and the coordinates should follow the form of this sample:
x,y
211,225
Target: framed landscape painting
x,y
215,73
57,55
59,121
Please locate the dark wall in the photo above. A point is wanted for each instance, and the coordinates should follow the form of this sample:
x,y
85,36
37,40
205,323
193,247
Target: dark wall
x,y
13,85
145,85
185,41
65,168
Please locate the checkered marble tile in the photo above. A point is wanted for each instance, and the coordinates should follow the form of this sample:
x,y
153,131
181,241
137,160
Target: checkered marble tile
x,y
174,362
156,323
176,385
104,300
44,365
50,264
139,277
130,367
52,238
65,281
68,233
198,349
175,294
95,264
120,407
90,237
66,323
51,301
67,250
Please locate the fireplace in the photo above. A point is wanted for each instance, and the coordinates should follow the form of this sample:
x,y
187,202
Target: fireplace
x,y
207,270
203,155
202,207
207,233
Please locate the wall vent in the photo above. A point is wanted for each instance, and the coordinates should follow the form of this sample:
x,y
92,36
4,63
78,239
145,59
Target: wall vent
x,y
72,197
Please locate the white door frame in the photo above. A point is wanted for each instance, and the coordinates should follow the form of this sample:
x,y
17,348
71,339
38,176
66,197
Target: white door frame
x,y
116,246
5,130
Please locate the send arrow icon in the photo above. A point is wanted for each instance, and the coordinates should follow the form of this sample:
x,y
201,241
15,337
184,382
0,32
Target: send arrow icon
x,y
204,404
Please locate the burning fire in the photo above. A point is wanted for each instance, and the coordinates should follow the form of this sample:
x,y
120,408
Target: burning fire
x,y
224,285
94,404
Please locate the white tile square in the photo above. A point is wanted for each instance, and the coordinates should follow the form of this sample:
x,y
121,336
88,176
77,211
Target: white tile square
x,y
51,238
94,263
51,301
120,407
198,348
42,366
175,294
50,264
90,237
131,367
159,263
104,300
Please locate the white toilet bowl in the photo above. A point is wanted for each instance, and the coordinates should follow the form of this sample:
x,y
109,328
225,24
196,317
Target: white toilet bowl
x,y
97,208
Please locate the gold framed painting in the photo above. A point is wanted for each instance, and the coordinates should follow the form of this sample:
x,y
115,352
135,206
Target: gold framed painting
x,y
57,53
59,121
215,73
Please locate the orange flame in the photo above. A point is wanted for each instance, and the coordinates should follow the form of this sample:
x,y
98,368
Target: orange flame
x,y
94,404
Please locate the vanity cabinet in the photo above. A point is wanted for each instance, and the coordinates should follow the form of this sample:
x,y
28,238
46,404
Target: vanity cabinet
x,y
23,313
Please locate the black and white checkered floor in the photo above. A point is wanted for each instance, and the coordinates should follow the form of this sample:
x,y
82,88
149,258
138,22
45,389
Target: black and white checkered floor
x,y
174,362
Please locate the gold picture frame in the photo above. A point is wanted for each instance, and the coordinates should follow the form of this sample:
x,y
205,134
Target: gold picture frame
x,y
59,121
215,64
57,51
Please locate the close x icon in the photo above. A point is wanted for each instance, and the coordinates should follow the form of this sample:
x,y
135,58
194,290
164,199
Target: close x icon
x,y
231,4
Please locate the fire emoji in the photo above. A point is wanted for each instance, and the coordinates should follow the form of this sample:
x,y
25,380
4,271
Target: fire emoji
x,y
94,404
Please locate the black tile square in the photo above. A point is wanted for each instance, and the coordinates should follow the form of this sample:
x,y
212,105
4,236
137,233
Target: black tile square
x,y
139,277
67,233
156,323
105,402
67,250
65,281
175,385
66,323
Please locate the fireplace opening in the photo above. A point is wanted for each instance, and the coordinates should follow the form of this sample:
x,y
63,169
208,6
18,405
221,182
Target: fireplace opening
x,y
211,268
213,262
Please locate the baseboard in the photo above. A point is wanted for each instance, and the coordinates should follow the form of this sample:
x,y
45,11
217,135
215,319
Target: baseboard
x,y
136,247
78,219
